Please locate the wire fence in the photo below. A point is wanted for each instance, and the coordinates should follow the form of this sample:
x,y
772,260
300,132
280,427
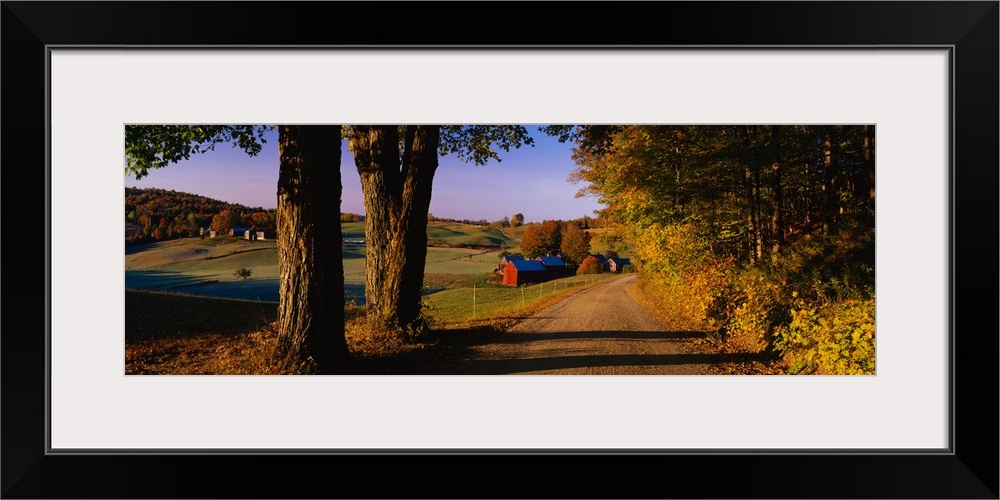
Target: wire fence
x,y
480,301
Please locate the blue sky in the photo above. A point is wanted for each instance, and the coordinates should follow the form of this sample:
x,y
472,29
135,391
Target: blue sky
x,y
530,180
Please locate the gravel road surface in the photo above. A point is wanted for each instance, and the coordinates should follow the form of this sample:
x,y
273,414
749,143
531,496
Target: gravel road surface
x,y
598,331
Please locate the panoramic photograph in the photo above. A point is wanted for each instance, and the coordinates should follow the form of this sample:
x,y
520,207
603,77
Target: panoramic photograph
x,y
499,249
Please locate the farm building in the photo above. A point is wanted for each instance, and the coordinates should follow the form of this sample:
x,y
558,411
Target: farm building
x,y
132,230
555,266
503,263
518,272
602,259
254,235
238,231
616,264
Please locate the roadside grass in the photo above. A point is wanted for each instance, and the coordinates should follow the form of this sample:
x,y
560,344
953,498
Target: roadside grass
x,y
486,303
739,363
437,282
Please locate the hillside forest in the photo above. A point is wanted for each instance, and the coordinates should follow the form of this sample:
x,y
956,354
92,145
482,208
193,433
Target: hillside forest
x,y
159,215
155,214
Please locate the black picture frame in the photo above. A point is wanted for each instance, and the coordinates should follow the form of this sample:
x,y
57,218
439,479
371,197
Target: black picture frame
x,y
970,470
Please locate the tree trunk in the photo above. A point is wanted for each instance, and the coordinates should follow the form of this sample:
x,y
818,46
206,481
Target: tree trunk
x,y
777,223
758,216
310,264
806,201
677,178
869,157
420,164
752,221
397,193
830,158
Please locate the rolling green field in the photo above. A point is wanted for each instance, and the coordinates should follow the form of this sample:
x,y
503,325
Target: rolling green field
x,y
449,234
353,230
206,267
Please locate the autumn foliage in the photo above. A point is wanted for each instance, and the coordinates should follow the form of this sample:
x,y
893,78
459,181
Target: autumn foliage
x,y
574,243
541,239
590,265
762,236
166,215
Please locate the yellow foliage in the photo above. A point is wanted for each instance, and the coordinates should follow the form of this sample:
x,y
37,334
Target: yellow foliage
x,y
678,267
834,339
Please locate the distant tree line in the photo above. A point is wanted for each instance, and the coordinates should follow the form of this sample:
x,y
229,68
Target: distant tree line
x,y
471,222
556,237
516,220
168,214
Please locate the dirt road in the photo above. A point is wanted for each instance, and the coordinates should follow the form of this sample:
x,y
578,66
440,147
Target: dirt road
x,y
599,331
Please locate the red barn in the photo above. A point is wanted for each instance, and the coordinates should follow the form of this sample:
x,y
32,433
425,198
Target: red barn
x,y
519,272
503,262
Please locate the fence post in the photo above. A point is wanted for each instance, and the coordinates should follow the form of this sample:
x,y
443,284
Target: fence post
x,y
522,296
473,301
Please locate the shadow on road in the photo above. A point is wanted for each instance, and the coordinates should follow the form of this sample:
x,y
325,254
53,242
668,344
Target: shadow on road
x,y
525,365
606,335
467,352
475,337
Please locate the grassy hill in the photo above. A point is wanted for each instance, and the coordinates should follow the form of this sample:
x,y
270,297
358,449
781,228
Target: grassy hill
x,y
447,234
353,230
206,266
457,234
